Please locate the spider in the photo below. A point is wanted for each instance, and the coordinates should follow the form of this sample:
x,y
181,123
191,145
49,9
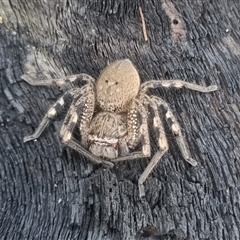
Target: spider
x,y
111,115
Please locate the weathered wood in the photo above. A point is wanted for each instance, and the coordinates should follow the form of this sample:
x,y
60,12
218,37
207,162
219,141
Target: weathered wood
x,y
51,192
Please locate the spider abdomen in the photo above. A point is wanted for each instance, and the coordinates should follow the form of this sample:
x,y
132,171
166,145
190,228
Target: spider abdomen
x,y
106,124
117,85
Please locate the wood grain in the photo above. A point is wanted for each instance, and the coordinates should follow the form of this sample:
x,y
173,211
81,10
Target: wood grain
x,y
48,191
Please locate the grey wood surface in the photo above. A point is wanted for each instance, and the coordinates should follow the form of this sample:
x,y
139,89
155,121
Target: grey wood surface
x,y
48,191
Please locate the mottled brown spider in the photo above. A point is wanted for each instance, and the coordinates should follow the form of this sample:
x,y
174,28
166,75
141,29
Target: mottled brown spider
x,y
111,115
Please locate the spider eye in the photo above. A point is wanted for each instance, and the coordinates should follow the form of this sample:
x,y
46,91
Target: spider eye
x,y
106,81
116,83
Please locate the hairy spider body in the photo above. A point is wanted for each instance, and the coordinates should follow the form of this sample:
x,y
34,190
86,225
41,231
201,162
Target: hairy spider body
x,y
107,135
112,116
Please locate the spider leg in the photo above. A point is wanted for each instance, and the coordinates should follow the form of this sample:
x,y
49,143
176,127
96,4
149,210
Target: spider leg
x,y
176,129
146,151
137,111
133,123
80,113
177,83
162,143
68,81
155,159
56,109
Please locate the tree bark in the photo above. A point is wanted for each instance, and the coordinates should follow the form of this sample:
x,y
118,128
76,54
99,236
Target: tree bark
x,y
51,192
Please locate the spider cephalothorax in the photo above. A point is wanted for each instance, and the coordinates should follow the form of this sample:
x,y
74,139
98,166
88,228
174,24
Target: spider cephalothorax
x,y
111,116
107,135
